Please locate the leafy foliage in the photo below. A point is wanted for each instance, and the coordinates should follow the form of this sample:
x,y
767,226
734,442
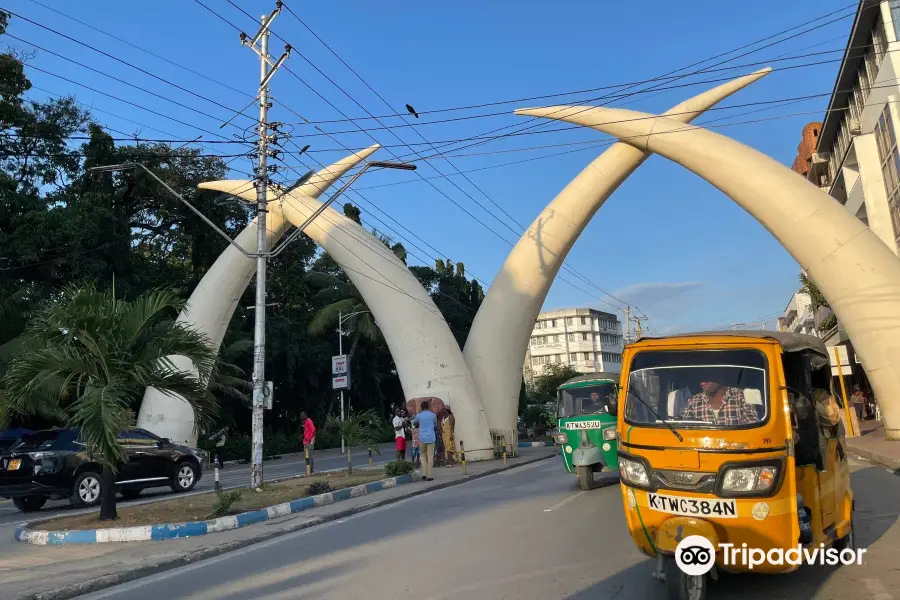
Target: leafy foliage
x,y
398,467
357,429
224,501
817,300
318,487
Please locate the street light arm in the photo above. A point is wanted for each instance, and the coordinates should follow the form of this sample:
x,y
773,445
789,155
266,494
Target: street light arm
x,y
196,211
299,230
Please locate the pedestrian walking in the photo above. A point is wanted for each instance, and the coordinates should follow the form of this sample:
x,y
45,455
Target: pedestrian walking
x,y
309,437
427,423
858,402
399,424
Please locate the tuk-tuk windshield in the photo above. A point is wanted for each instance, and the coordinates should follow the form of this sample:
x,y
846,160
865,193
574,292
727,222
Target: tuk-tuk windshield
x,y
588,400
705,389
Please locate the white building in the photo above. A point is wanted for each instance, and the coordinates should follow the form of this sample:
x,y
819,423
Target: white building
x,y
798,316
857,159
589,340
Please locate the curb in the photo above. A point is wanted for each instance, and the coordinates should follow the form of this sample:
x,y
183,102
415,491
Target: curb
x,y
535,444
108,581
877,457
169,531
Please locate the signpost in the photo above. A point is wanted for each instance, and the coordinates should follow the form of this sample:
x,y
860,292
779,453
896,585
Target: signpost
x,y
839,361
340,380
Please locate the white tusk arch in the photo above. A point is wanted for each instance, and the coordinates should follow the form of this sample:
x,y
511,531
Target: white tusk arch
x,y
856,271
213,302
428,359
499,336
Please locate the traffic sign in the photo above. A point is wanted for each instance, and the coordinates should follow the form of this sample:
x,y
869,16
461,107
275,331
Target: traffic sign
x,y
340,364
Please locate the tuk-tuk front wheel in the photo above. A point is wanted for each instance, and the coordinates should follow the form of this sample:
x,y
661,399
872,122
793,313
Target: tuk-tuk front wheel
x,y
585,477
681,586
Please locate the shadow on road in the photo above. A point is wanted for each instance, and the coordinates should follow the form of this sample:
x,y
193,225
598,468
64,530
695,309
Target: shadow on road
x,y
877,510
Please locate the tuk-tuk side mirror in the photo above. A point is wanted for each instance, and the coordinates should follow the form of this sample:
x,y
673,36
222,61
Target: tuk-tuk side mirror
x,y
613,406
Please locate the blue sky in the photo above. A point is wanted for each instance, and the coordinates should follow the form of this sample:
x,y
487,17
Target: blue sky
x,y
666,240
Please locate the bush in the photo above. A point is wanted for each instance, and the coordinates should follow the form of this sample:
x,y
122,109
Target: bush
x,y
398,467
223,503
318,487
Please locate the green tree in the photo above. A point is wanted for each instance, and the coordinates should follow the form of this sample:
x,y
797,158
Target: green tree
x,y
89,358
357,429
817,300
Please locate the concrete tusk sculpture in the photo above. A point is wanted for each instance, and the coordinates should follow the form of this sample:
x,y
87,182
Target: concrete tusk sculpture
x,y
499,336
212,304
429,361
854,269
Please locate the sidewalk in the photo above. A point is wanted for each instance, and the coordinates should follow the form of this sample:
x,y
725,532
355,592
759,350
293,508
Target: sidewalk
x,y
872,445
67,571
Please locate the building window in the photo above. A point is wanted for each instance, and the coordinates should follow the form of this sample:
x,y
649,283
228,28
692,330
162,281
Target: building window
x,y
895,17
573,337
886,140
571,320
584,337
584,320
587,356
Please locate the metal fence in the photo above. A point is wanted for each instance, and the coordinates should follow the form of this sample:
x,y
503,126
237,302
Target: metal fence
x,y
505,439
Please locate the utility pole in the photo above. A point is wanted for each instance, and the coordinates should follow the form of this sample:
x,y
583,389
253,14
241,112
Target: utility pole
x,y
267,69
341,352
628,339
637,324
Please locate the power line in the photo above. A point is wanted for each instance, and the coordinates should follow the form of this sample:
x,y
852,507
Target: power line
x,y
124,62
144,50
537,97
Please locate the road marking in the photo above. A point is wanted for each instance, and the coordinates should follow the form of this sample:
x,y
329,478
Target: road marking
x,y
877,589
562,503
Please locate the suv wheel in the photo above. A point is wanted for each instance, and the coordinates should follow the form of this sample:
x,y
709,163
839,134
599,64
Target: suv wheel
x,y
86,491
185,477
30,503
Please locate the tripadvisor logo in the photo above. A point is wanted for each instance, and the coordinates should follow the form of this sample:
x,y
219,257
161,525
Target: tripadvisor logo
x,y
695,555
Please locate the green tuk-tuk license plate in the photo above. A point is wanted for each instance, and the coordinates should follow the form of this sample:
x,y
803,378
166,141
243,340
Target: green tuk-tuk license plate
x,y
692,507
577,425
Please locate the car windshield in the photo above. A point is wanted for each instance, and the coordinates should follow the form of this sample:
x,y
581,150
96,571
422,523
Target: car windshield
x,y
588,400
709,389
31,442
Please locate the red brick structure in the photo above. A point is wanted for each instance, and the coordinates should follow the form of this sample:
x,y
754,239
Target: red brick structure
x,y
807,147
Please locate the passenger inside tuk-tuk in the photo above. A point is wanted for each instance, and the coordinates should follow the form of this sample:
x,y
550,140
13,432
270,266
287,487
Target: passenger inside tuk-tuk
x,y
814,413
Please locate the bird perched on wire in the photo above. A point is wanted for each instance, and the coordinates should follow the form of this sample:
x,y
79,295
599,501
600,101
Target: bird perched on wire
x,y
412,111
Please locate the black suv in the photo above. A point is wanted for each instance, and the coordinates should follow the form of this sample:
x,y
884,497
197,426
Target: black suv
x,y
54,464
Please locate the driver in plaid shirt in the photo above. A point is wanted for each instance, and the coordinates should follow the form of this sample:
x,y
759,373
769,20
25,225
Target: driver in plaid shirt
x,y
719,405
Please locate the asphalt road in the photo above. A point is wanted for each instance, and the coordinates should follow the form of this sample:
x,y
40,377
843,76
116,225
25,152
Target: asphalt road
x,y
526,534
231,476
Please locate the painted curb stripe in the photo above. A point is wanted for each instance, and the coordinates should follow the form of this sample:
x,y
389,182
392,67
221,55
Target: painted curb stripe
x,y
170,531
535,444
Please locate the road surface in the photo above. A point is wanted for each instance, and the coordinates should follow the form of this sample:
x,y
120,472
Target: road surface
x,y
525,534
230,477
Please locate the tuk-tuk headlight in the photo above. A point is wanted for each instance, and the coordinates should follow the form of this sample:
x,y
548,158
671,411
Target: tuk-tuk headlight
x,y
609,434
633,472
749,479
560,438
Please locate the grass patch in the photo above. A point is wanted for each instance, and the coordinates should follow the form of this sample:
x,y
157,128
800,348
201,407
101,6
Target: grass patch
x,y
199,507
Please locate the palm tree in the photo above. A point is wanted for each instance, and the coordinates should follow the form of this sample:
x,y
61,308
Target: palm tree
x,y
227,379
89,358
343,299
358,429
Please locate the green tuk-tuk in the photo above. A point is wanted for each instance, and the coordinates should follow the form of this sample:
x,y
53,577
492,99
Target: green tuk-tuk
x,y
587,432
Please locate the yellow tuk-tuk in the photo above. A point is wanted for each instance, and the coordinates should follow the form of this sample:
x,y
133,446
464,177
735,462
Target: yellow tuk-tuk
x,y
731,439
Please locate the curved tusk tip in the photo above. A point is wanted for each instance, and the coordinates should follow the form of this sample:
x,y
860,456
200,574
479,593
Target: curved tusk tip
x,y
763,71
